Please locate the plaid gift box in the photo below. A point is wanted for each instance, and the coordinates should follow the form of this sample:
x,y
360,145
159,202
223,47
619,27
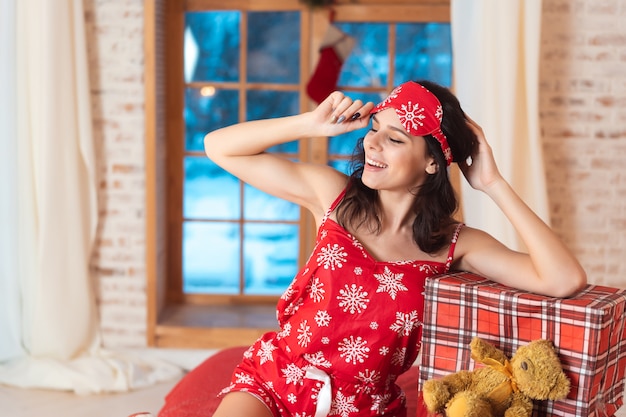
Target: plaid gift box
x,y
587,329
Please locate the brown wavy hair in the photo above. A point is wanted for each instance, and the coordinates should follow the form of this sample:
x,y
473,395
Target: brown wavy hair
x,y
435,200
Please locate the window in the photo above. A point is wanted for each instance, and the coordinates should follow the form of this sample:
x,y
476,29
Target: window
x,y
219,251
236,240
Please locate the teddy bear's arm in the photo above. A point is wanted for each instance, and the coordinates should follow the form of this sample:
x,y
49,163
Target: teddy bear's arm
x,y
521,406
437,392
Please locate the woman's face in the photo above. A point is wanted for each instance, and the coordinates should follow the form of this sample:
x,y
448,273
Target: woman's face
x,y
394,159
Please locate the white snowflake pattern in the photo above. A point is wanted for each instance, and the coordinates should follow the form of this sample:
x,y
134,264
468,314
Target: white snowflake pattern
x,y
249,352
373,325
343,405
293,307
358,270
392,96
439,113
304,336
265,352
292,374
332,257
390,283
353,299
325,340
288,292
379,402
354,350
384,351
315,391
429,269
226,390
322,318
368,380
316,292
405,323
411,115
292,398
317,359
241,378
398,356
270,386
358,245
286,331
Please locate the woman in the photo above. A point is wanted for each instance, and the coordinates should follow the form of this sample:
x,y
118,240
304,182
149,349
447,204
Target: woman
x,y
351,319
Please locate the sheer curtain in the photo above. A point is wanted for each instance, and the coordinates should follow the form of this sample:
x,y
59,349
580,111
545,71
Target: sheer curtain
x,y
496,77
10,339
48,325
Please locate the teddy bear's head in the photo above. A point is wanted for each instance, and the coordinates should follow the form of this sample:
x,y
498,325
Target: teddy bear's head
x,y
538,373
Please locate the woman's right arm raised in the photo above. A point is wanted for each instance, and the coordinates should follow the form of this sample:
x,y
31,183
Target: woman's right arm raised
x,y
240,150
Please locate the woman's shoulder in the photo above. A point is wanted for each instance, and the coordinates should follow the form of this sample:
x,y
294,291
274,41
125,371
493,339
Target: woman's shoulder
x,y
471,238
475,246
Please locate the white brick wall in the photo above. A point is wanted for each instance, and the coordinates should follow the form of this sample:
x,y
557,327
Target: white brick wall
x,y
583,116
115,39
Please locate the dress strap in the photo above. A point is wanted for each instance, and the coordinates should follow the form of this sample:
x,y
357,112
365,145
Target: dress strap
x,y
455,237
334,205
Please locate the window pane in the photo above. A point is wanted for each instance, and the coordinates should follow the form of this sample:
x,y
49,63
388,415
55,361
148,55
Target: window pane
x,y
423,51
209,191
269,104
270,257
345,143
212,46
207,109
211,258
262,206
368,62
274,47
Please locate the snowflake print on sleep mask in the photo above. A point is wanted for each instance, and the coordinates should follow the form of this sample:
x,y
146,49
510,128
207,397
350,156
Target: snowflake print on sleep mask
x,y
420,113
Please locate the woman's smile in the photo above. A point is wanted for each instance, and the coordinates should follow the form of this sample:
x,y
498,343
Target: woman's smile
x,y
374,163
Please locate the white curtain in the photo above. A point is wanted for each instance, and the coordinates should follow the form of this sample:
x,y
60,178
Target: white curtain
x,y
10,339
496,77
49,334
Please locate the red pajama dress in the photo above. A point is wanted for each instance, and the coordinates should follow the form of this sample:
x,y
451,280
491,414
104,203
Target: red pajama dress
x,y
350,325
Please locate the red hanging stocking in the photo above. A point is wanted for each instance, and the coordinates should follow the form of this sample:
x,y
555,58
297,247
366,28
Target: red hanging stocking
x,y
335,48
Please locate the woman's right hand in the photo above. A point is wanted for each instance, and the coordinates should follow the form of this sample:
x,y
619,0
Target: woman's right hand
x,y
339,114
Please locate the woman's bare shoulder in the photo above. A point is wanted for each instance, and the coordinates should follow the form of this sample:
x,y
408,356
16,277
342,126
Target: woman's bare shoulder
x,y
474,243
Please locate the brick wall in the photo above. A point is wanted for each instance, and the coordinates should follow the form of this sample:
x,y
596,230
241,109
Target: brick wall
x,y
115,43
583,116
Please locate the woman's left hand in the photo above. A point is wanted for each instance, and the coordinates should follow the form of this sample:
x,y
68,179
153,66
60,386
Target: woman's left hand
x,y
481,172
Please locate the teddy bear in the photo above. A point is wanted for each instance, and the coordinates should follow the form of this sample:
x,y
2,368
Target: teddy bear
x,y
501,387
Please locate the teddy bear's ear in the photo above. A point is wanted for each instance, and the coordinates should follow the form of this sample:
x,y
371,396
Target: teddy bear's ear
x,y
482,350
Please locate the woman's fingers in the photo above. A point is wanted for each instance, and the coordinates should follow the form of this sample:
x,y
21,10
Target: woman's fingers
x,y
346,109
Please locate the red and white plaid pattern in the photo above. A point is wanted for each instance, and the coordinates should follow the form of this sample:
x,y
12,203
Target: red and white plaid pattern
x,y
588,331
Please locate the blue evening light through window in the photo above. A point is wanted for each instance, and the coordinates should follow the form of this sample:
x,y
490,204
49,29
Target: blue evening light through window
x,y
237,239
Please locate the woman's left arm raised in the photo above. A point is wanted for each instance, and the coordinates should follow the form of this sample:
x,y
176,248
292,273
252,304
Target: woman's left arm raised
x,y
548,268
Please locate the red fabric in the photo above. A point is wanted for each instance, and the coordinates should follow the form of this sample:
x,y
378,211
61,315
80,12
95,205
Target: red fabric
x,y
348,315
588,331
419,111
326,74
196,394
